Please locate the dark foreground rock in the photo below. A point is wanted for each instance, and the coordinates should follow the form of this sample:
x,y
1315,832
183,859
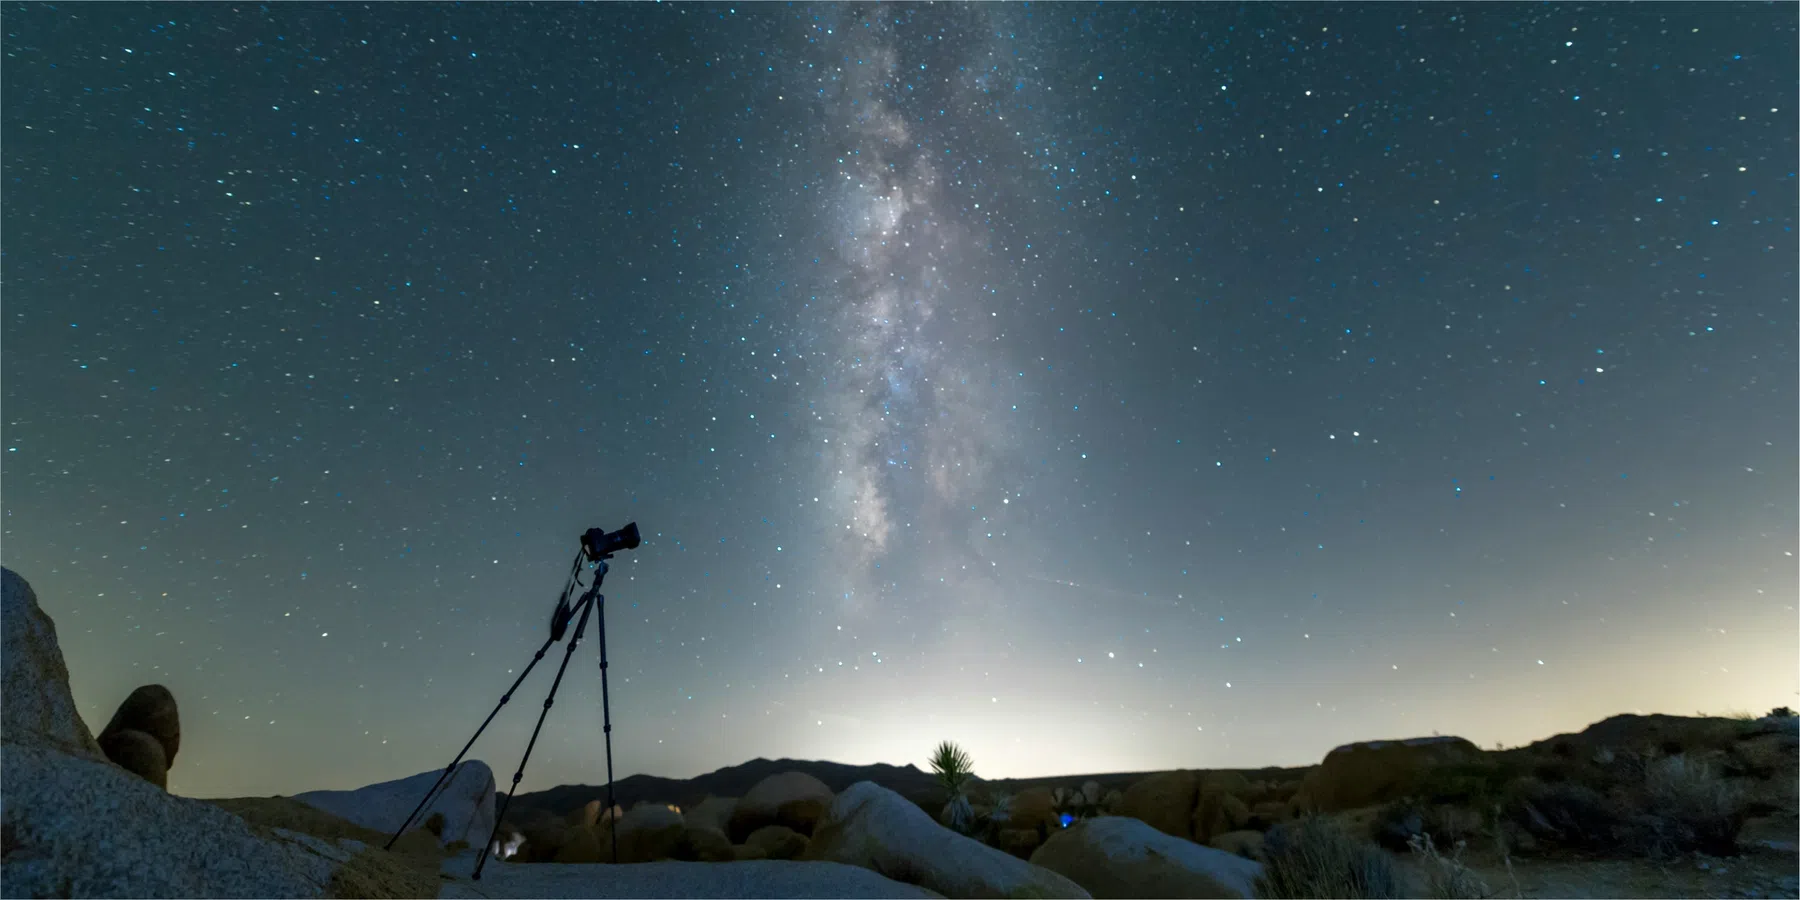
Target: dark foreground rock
x,y
749,879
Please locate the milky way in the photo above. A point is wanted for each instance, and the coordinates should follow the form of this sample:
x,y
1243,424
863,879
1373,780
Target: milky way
x,y
913,443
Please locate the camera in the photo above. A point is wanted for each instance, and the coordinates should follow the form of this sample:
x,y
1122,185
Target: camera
x,y
598,543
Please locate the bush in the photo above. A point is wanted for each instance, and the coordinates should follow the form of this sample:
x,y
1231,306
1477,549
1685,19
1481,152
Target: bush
x,y
1781,712
1690,807
1565,814
1314,857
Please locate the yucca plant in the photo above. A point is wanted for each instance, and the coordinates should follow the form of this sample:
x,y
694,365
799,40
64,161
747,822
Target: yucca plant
x,y
953,767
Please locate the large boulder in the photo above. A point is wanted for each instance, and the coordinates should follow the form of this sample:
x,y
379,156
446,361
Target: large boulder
x,y
778,842
712,812
1116,857
1033,809
466,802
1188,804
1372,772
793,799
651,831
144,734
877,829
1164,801
38,709
704,843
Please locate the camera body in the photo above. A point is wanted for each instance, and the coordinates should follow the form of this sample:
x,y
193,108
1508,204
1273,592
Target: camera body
x,y
599,544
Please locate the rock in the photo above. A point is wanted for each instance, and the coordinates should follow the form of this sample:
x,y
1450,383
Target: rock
x,y
703,843
650,832
150,709
745,851
1186,804
1112,856
79,826
1377,771
1033,809
1164,801
1090,793
139,753
39,710
1112,801
765,878
1019,841
1217,812
466,800
712,812
778,842
1247,844
1267,814
588,814
794,799
872,827
584,843
544,839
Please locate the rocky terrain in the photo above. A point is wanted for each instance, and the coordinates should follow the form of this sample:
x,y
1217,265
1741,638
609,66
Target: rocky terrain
x,y
1633,806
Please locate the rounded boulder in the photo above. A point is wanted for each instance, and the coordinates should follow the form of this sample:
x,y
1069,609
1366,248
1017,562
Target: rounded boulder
x,y
793,799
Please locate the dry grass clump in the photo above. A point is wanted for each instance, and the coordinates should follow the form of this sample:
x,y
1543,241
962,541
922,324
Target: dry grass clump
x,y
1446,877
1315,857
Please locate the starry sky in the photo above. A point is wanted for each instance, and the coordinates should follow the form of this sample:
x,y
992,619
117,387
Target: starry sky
x,y
1103,388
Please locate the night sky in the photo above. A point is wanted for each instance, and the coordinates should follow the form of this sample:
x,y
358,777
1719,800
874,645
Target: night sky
x,y
1103,388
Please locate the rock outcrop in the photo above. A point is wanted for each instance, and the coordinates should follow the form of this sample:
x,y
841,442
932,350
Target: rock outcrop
x,y
42,711
793,799
466,802
1116,857
872,827
1363,774
1188,804
77,825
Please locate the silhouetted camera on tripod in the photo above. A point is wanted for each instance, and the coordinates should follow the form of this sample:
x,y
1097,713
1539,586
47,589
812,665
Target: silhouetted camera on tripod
x,y
597,546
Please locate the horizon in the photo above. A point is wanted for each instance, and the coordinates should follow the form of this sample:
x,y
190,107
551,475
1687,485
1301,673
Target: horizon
x,y
1102,389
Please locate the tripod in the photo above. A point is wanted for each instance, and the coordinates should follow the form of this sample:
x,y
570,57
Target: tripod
x,y
597,546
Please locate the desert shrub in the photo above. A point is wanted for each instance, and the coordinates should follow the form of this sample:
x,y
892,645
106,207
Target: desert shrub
x,y
1689,807
1315,857
1564,815
1446,878
1781,712
1400,823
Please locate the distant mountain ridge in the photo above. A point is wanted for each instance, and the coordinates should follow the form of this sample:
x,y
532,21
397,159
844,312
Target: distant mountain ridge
x,y
921,787
908,781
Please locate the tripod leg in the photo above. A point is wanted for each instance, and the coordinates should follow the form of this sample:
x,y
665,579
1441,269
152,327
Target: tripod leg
x,y
587,606
465,750
606,718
